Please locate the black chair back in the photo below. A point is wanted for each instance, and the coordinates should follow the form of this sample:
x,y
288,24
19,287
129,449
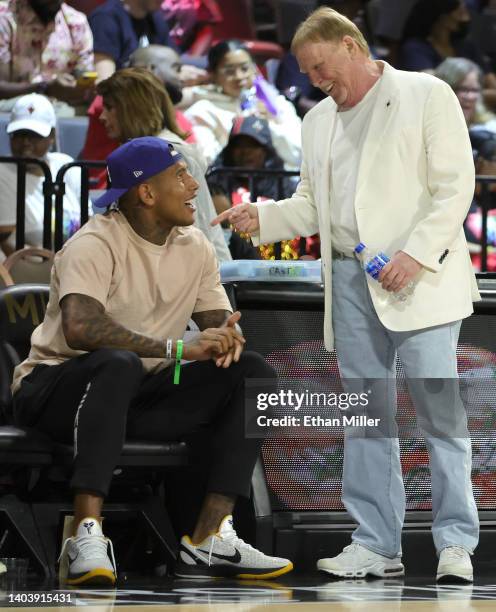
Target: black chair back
x,y
22,308
231,293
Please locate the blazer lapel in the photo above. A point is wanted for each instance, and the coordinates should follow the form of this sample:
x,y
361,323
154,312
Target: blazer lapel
x,y
321,162
323,139
325,172
384,110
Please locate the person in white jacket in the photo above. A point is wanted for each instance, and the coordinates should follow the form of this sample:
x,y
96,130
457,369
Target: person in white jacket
x,y
387,161
213,108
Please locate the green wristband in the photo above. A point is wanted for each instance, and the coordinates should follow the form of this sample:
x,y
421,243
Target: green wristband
x,y
177,368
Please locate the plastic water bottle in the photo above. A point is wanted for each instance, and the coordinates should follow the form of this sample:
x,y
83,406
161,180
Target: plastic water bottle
x,y
248,101
267,94
373,263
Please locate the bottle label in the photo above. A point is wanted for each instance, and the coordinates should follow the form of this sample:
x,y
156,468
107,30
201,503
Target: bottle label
x,y
375,265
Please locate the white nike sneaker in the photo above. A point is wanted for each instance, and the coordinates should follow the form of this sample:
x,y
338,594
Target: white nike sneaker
x,y
455,564
356,561
90,555
223,554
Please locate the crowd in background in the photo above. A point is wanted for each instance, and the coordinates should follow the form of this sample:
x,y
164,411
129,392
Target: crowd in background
x,y
132,67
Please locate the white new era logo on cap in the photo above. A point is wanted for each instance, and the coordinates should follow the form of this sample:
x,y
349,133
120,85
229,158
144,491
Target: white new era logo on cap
x,y
137,173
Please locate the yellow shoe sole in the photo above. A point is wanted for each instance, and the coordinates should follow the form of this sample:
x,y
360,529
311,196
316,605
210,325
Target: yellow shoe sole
x,y
275,574
95,576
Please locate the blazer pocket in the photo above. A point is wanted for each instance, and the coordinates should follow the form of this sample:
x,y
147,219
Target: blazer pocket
x,y
456,244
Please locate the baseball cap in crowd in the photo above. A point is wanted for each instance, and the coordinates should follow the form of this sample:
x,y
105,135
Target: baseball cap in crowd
x,y
253,126
32,112
134,162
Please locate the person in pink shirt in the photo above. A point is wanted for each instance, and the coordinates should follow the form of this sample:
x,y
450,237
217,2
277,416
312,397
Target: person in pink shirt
x,y
45,45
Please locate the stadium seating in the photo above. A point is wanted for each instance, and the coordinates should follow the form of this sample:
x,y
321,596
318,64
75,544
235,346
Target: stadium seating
x,y
5,278
23,452
30,265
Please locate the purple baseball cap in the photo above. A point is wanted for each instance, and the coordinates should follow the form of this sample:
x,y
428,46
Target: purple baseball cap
x,y
134,162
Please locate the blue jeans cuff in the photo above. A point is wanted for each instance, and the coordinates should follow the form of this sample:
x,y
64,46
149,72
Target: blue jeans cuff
x,y
379,551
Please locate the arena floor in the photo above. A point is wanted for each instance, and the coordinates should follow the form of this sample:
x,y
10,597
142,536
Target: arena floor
x,y
296,593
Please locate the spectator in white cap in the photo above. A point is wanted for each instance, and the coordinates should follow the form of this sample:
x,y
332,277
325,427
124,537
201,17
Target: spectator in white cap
x,y
32,134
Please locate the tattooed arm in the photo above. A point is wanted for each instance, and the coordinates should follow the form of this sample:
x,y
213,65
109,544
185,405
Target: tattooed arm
x,y
88,327
210,318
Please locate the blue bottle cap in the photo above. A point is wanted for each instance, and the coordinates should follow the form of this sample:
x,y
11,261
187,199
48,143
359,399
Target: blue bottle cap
x,y
359,248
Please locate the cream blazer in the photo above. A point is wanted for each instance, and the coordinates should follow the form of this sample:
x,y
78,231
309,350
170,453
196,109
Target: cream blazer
x,y
414,188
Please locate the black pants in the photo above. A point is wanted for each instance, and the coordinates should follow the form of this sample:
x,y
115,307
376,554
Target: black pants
x,y
100,398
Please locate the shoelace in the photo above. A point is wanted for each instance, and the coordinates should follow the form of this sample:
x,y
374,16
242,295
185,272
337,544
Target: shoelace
x,y
351,548
456,552
230,538
87,543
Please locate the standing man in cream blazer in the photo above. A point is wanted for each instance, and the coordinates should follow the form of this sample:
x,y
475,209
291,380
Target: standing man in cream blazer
x,y
387,161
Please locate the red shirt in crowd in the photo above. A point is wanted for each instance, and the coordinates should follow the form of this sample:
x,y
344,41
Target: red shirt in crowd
x,y
98,145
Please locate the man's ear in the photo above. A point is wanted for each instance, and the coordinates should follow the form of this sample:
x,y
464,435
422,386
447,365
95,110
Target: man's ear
x,y
146,194
349,44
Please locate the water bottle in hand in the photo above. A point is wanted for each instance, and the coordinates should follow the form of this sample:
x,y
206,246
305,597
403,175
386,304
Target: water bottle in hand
x,y
248,101
373,263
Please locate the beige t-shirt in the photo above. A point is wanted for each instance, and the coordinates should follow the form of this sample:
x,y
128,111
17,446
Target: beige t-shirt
x,y
147,288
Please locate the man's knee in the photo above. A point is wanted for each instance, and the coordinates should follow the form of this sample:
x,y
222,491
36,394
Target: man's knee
x,y
255,366
120,361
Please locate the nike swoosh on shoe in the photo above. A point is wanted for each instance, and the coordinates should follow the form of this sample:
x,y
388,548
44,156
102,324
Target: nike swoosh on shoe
x,y
236,558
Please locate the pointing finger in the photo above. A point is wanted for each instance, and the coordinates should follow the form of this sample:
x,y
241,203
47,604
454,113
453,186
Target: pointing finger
x,y
222,217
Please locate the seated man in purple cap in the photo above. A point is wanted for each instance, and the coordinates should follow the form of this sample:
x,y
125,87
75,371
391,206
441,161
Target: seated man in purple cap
x,y
100,367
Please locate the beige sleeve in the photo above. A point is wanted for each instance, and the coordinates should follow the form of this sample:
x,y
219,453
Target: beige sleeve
x,y
85,266
211,293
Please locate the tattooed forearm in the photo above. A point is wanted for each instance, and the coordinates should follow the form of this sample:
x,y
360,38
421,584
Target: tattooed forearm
x,y
88,327
210,318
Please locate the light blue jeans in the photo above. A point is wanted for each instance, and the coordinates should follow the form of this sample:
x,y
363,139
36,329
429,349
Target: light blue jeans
x,y
373,491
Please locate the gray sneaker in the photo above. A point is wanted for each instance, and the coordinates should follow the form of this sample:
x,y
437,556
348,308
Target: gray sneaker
x,y
90,555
